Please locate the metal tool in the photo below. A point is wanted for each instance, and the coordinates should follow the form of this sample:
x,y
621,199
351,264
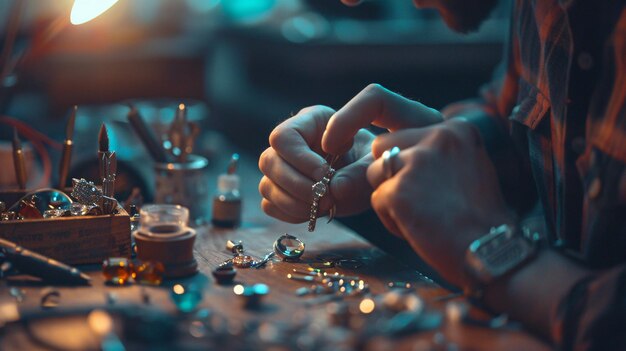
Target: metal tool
x,y
108,183
181,135
103,149
108,167
18,161
46,268
147,137
66,155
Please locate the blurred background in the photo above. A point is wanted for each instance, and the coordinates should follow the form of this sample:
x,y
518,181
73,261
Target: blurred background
x,y
240,66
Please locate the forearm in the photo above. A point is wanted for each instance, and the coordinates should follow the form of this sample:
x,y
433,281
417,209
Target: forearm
x,y
532,293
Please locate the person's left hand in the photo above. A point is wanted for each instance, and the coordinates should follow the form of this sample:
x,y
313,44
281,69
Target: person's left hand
x,y
444,194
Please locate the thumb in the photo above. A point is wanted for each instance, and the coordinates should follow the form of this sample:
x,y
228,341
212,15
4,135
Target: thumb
x,y
350,188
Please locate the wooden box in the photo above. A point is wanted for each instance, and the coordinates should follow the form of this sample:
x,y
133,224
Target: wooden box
x,y
71,240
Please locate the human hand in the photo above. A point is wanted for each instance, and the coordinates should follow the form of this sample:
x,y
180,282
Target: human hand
x,y
444,194
293,163
377,106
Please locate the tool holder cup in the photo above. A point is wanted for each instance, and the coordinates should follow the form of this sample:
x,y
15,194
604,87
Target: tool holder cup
x,y
164,236
186,184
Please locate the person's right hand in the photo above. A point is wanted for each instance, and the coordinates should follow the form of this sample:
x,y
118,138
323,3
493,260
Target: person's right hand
x,y
293,163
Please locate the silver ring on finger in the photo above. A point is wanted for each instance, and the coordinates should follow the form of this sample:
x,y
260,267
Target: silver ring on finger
x,y
389,157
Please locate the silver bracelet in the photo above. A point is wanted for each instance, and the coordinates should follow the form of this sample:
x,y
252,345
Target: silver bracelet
x,y
319,189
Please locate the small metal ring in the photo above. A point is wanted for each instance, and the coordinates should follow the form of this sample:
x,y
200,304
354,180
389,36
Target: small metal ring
x,y
388,161
283,252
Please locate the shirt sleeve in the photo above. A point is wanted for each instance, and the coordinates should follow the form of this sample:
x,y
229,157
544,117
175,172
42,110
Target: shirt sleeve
x,y
489,114
593,314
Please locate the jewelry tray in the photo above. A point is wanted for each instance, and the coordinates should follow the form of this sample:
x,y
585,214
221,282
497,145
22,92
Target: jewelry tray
x,y
71,240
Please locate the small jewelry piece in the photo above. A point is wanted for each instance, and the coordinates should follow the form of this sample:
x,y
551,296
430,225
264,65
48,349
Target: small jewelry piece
x,y
235,247
388,161
243,261
288,247
319,190
261,263
322,265
86,192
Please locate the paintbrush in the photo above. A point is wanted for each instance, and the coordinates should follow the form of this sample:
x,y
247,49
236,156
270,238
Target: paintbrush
x,y
18,161
66,156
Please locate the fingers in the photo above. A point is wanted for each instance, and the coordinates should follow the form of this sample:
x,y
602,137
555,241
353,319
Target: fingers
x,y
281,174
374,105
350,188
376,172
384,211
272,210
284,175
283,200
403,139
295,140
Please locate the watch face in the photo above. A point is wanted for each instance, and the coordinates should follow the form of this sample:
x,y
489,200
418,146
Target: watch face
x,y
497,253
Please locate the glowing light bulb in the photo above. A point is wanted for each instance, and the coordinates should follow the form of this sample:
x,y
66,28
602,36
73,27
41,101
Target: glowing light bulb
x,y
85,10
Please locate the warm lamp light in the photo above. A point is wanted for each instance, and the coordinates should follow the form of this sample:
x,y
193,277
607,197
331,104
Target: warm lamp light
x,y
85,10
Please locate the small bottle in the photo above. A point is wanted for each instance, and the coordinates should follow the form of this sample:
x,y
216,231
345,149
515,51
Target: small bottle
x,y
227,201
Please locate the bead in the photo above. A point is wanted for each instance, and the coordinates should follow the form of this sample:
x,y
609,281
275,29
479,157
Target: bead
x,y
149,272
224,274
117,270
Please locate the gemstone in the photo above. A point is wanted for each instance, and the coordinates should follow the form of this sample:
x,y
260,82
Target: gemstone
x,y
149,272
78,209
56,213
28,210
319,189
117,270
8,216
242,261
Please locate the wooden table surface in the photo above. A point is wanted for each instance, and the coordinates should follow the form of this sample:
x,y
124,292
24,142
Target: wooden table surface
x,y
258,233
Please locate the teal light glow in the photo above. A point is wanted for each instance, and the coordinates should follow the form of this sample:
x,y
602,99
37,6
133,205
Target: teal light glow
x,y
247,10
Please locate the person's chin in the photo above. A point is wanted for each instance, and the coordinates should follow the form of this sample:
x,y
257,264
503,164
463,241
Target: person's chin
x,y
461,25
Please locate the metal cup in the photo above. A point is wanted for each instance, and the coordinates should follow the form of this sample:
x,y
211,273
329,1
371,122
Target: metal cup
x,y
185,184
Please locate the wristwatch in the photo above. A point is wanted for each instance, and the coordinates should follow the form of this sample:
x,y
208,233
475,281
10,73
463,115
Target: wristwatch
x,y
502,250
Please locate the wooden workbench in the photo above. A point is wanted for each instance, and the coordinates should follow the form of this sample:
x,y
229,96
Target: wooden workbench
x,y
258,233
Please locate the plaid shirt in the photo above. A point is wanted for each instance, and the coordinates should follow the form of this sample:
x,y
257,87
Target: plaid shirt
x,y
561,95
